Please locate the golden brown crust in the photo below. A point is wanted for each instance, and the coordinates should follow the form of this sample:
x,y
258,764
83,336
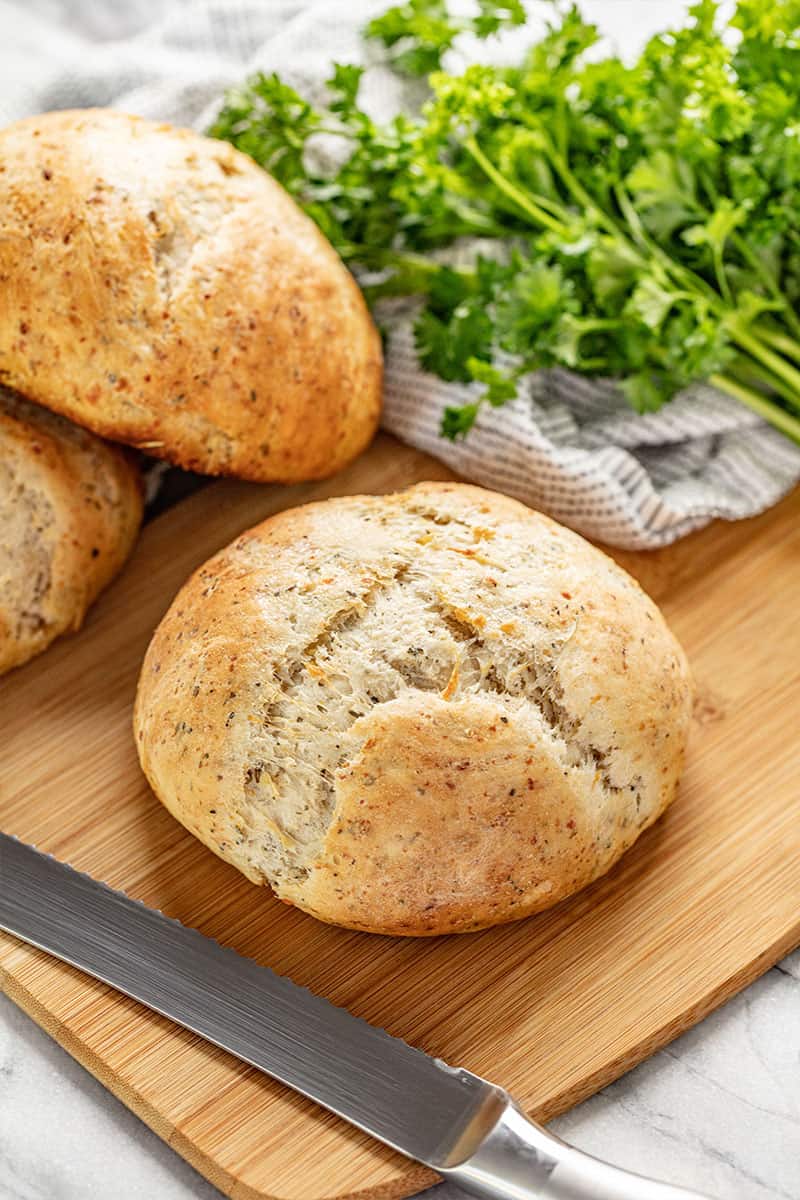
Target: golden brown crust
x,y
70,509
414,714
161,289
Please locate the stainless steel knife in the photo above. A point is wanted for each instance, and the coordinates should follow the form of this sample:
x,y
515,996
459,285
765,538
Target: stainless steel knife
x,y
467,1129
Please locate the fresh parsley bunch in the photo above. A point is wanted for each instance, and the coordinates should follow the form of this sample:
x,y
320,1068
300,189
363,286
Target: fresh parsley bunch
x,y
643,219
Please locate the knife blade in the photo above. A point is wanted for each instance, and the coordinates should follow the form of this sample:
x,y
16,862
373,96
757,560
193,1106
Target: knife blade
x,y
461,1125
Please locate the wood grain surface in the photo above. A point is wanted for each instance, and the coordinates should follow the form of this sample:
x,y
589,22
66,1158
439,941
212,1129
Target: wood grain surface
x,y
553,1007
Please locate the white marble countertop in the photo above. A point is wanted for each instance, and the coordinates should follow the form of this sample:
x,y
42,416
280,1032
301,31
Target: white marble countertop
x,y
718,1110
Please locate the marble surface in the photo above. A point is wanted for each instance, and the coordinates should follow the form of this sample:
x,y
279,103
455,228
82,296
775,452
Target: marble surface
x,y
717,1110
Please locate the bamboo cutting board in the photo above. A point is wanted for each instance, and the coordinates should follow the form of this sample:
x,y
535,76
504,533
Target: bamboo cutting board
x,y
553,1007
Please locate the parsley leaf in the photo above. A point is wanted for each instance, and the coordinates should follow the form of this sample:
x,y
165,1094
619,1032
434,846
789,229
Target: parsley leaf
x,y
420,31
641,217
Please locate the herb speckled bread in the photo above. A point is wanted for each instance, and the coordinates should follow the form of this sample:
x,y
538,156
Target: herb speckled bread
x,y
414,714
160,289
70,509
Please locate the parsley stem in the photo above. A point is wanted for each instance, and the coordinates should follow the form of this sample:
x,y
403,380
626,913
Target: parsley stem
x,y
721,277
520,198
561,126
395,285
551,205
579,193
773,362
768,279
632,217
786,345
675,269
411,273
760,268
403,259
747,372
782,420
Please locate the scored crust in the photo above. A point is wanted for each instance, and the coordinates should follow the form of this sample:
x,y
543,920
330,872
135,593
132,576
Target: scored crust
x,y
414,714
160,289
70,509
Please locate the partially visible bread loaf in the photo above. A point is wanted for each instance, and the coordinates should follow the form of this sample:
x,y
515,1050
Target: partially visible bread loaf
x,y
70,508
414,714
160,289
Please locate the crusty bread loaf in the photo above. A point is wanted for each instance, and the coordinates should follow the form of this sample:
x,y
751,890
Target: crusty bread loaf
x,y
414,714
70,508
160,289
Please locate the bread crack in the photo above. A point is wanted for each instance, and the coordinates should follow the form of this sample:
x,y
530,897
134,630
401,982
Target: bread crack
x,y
535,682
313,709
348,616
186,219
432,517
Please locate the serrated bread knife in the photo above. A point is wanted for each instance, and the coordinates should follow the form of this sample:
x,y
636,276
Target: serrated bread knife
x,y
468,1130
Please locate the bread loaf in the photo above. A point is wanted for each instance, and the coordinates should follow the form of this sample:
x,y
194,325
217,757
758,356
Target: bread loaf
x,y
414,714
160,289
70,508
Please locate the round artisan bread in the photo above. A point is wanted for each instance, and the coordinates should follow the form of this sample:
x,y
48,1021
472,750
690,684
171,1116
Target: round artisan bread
x,y
70,509
161,289
414,714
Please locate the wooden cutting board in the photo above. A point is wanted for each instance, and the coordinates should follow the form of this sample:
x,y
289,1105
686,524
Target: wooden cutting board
x,y
553,1007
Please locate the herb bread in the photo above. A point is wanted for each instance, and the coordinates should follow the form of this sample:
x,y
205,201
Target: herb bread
x,y
160,289
414,714
70,509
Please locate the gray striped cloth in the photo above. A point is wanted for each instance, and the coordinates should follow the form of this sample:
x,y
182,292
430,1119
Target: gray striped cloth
x,y
567,445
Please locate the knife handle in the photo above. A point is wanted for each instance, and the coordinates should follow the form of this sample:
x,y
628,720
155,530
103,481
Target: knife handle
x,y
519,1160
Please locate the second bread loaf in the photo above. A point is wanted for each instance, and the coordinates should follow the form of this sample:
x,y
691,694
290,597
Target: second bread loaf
x,y
161,289
70,509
